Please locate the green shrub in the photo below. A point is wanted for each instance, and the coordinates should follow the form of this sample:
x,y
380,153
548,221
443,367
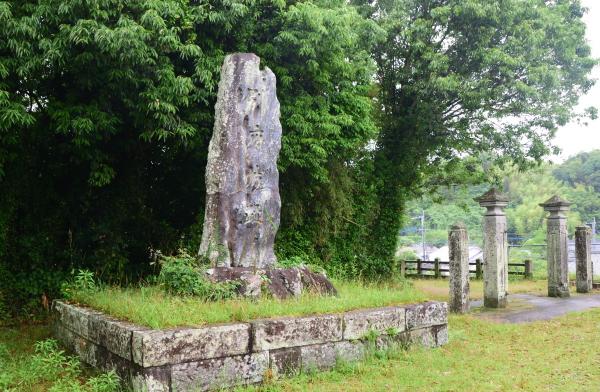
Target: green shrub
x,y
184,274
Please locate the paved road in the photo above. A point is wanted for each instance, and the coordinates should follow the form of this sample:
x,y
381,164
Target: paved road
x,y
524,308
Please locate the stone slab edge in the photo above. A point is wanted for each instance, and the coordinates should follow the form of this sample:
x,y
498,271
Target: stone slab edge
x,y
309,342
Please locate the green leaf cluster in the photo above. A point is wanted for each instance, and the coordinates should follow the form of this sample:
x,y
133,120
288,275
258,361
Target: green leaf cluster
x,y
106,112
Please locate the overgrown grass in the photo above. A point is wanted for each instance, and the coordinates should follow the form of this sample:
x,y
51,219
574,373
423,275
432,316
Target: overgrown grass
x,y
29,361
561,354
153,307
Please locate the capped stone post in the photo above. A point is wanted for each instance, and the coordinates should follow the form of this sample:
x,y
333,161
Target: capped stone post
x,y
458,242
495,249
558,247
583,257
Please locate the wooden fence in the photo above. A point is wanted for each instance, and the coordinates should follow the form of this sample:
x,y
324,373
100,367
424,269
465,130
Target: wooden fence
x,y
422,268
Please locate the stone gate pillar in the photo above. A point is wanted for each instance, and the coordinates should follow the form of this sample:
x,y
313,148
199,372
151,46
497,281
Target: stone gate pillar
x,y
583,259
558,247
495,249
458,242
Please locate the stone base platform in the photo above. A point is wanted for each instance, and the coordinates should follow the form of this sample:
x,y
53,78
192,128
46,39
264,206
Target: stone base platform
x,y
200,359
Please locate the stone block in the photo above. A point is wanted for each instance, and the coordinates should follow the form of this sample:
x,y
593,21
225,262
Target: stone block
x,y
282,283
350,351
426,314
74,317
358,323
390,342
429,337
88,351
115,335
292,279
172,346
219,372
316,282
318,357
274,285
271,334
285,361
156,379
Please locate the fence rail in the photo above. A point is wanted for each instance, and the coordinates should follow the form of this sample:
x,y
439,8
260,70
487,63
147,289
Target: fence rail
x,y
422,268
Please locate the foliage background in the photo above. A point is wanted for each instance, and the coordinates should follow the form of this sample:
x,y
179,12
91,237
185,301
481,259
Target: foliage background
x,y
106,112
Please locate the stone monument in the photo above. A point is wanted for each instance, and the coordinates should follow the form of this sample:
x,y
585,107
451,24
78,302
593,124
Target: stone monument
x,y
242,182
458,243
242,188
495,249
558,247
583,259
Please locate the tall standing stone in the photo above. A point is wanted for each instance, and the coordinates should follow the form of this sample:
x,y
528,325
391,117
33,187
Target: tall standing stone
x,y
495,249
583,258
558,247
242,182
458,242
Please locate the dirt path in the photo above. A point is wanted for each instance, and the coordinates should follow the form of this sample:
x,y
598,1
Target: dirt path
x,y
524,308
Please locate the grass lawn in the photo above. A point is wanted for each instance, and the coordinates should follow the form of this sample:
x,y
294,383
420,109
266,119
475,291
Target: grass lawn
x,y
557,355
561,354
152,307
438,289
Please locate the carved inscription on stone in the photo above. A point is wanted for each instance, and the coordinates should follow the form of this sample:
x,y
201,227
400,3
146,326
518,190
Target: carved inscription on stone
x,y
242,181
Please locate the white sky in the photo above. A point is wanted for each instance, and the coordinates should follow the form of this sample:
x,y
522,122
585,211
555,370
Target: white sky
x,y
574,138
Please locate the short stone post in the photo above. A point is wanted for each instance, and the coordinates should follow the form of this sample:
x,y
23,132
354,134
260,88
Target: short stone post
x,y
528,269
458,242
495,249
436,268
558,247
478,269
403,268
583,257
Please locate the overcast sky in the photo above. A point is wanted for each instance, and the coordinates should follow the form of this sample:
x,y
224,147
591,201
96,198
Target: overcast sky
x,y
574,138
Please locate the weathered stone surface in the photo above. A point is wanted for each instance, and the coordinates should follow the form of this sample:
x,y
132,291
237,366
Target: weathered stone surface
x,y
274,285
358,323
76,343
280,283
219,373
495,249
270,334
292,280
583,258
113,334
458,242
75,318
177,359
348,351
389,342
160,347
285,361
249,280
316,282
557,249
433,336
151,380
318,357
426,314
242,181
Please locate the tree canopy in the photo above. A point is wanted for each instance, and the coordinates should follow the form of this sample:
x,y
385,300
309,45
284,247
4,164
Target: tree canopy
x,y
106,110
